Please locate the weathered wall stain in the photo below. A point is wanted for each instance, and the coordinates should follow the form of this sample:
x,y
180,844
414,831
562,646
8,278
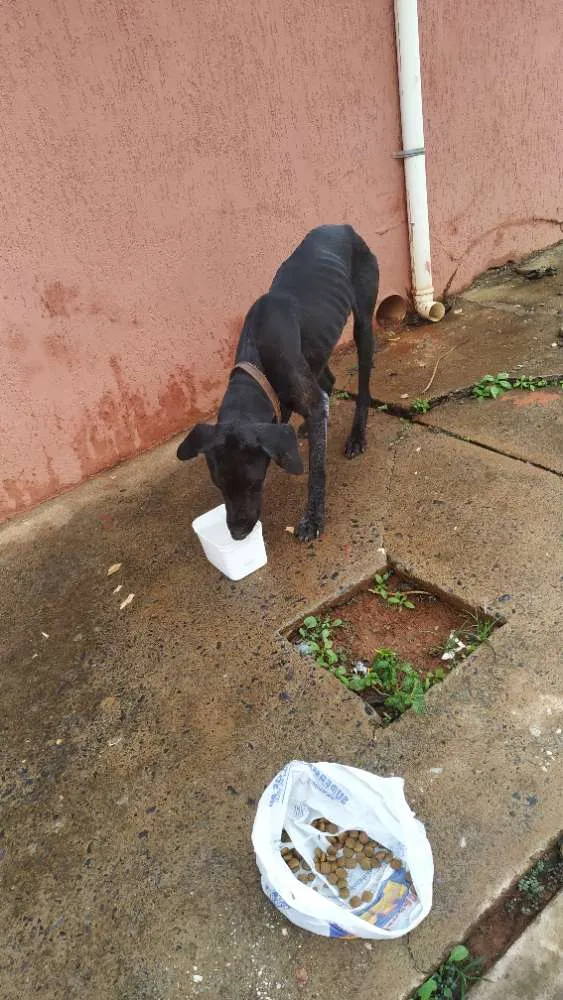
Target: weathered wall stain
x,y
124,423
60,347
58,300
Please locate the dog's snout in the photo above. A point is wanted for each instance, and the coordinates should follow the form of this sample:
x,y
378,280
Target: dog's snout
x,y
240,531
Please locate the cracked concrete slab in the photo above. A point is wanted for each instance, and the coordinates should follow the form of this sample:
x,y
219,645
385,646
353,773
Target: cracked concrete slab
x,y
533,966
459,516
508,287
522,424
465,346
504,322
136,743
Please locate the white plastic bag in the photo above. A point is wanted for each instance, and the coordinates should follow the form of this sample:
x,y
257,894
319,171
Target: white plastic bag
x,y
353,800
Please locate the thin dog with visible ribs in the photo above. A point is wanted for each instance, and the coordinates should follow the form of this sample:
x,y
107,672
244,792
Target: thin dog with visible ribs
x,y
281,367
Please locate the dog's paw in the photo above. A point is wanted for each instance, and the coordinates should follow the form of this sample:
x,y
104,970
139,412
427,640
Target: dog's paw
x,y
309,528
355,446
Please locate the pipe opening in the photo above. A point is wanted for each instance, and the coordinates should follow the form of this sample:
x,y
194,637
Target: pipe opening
x,y
436,312
391,310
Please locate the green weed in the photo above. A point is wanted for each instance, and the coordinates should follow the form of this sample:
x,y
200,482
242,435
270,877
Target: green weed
x,y
317,636
463,641
400,686
531,885
493,386
393,597
452,980
421,406
400,683
528,383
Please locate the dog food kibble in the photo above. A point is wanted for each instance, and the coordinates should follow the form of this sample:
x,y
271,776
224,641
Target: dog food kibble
x,y
340,853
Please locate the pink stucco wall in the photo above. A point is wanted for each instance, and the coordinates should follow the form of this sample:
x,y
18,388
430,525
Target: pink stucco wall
x,y
161,158
492,82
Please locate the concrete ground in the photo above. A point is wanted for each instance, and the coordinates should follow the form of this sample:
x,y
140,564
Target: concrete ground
x,y
136,742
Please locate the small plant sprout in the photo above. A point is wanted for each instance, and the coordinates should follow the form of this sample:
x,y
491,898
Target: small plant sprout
x,y
395,679
393,597
453,978
399,600
493,386
461,642
317,640
528,383
399,683
421,406
343,394
531,885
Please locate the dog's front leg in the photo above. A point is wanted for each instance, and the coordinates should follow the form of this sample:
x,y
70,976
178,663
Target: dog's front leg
x,y
312,523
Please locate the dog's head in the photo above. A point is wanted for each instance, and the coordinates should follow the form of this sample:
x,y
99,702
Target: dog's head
x,y
238,456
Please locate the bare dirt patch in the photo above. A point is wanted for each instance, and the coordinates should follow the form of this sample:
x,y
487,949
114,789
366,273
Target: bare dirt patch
x,y
417,634
391,641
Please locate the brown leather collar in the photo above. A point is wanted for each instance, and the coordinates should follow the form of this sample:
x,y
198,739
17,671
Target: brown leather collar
x,y
262,381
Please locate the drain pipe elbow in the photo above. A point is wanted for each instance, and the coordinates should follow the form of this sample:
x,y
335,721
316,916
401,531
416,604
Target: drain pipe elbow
x,y
413,156
427,306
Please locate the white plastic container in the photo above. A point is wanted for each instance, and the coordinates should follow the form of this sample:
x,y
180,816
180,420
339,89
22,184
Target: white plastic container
x,y
234,559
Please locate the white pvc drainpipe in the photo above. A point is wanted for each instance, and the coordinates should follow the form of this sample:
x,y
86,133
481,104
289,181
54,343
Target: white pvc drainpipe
x,y
410,94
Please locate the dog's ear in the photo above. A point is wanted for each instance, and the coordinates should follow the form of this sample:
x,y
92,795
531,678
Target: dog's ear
x,y
197,440
279,441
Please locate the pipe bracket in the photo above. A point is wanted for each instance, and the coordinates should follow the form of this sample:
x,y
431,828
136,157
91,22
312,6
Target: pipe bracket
x,y
405,153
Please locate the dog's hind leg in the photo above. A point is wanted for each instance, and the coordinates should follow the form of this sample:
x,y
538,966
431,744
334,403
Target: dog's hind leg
x,y
365,280
326,382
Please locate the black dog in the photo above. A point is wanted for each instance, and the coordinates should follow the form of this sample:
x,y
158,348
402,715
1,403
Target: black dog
x,y
281,368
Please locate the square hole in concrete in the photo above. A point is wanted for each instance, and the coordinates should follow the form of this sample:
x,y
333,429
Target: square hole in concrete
x,y
391,639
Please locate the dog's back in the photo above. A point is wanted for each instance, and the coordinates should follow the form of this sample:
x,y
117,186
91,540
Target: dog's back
x,y
318,277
